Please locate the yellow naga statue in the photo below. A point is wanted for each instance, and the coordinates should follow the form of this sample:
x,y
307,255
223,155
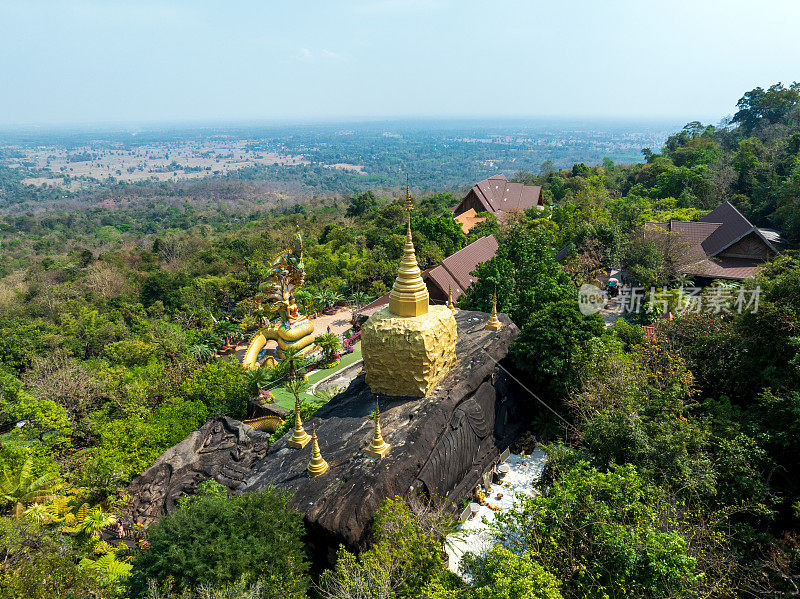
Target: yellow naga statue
x,y
291,329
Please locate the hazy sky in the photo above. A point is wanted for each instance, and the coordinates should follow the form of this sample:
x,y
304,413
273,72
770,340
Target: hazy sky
x,y
83,61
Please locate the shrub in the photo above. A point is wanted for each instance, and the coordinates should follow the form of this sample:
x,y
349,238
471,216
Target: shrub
x,y
221,540
502,575
221,386
600,533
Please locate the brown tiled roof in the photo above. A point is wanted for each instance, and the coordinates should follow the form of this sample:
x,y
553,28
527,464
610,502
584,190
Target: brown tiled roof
x,y
724,268
496,194
693,232
468,219
454,271
712,234
735,227
374,306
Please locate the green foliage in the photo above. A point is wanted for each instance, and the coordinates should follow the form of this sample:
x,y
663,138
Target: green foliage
x,y
129,352
361,203
127,446
257,380
524,273
643,416
218,540
221,387
36,563
551,343
108,567
601,536
446,232
404,558
502,575
24,487
772,104
207,488
38,421
330,344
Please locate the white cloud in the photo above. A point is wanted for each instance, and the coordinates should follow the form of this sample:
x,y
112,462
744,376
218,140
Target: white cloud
x,y
332,55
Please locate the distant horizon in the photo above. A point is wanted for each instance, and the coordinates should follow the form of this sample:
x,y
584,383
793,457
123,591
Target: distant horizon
x,y
198,124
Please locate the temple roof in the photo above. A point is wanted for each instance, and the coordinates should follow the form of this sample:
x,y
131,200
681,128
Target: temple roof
x,y
709,237
455,270
497,194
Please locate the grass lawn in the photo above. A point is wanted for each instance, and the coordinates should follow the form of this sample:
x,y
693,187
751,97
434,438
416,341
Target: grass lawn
x,y
286,400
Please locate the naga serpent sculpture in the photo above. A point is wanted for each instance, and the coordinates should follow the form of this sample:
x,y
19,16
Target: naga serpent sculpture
x,y
291,329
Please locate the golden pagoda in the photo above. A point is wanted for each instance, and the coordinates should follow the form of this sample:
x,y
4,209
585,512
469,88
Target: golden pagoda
x,y
450,303
494,323
409,295
299,437
377,447
409,345
316,465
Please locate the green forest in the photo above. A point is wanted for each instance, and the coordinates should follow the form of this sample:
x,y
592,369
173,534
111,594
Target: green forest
x,y
673,458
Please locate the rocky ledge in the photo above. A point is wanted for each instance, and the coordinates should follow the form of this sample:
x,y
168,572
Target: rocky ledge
x,y
441,444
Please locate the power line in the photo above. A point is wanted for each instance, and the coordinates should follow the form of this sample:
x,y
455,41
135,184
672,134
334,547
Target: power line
x,y
536,397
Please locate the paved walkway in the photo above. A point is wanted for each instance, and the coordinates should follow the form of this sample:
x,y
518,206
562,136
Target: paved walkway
x,y
286,400
339,322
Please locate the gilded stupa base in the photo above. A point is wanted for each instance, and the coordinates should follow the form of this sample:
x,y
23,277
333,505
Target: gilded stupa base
x,y
408,356
493,324
378,452
298,441
409,305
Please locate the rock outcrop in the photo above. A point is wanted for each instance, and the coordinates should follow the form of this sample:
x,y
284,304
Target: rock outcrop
x,y
441,445
222,449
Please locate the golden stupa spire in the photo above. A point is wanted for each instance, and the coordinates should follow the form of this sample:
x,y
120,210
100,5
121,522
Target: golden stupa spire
x,y
409,295
450,303
377,447
300,437
494,323
409,204
316,465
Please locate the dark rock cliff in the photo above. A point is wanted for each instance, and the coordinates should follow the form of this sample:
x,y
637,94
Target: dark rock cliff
x,y
441,445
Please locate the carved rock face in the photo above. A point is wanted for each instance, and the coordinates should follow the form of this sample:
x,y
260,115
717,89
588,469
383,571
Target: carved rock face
x,y
441,445
223,449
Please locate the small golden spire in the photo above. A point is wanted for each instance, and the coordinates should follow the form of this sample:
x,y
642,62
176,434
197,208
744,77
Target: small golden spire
x,y
450,303
316,465
409,295
300,437
494,324
377,447
408,205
